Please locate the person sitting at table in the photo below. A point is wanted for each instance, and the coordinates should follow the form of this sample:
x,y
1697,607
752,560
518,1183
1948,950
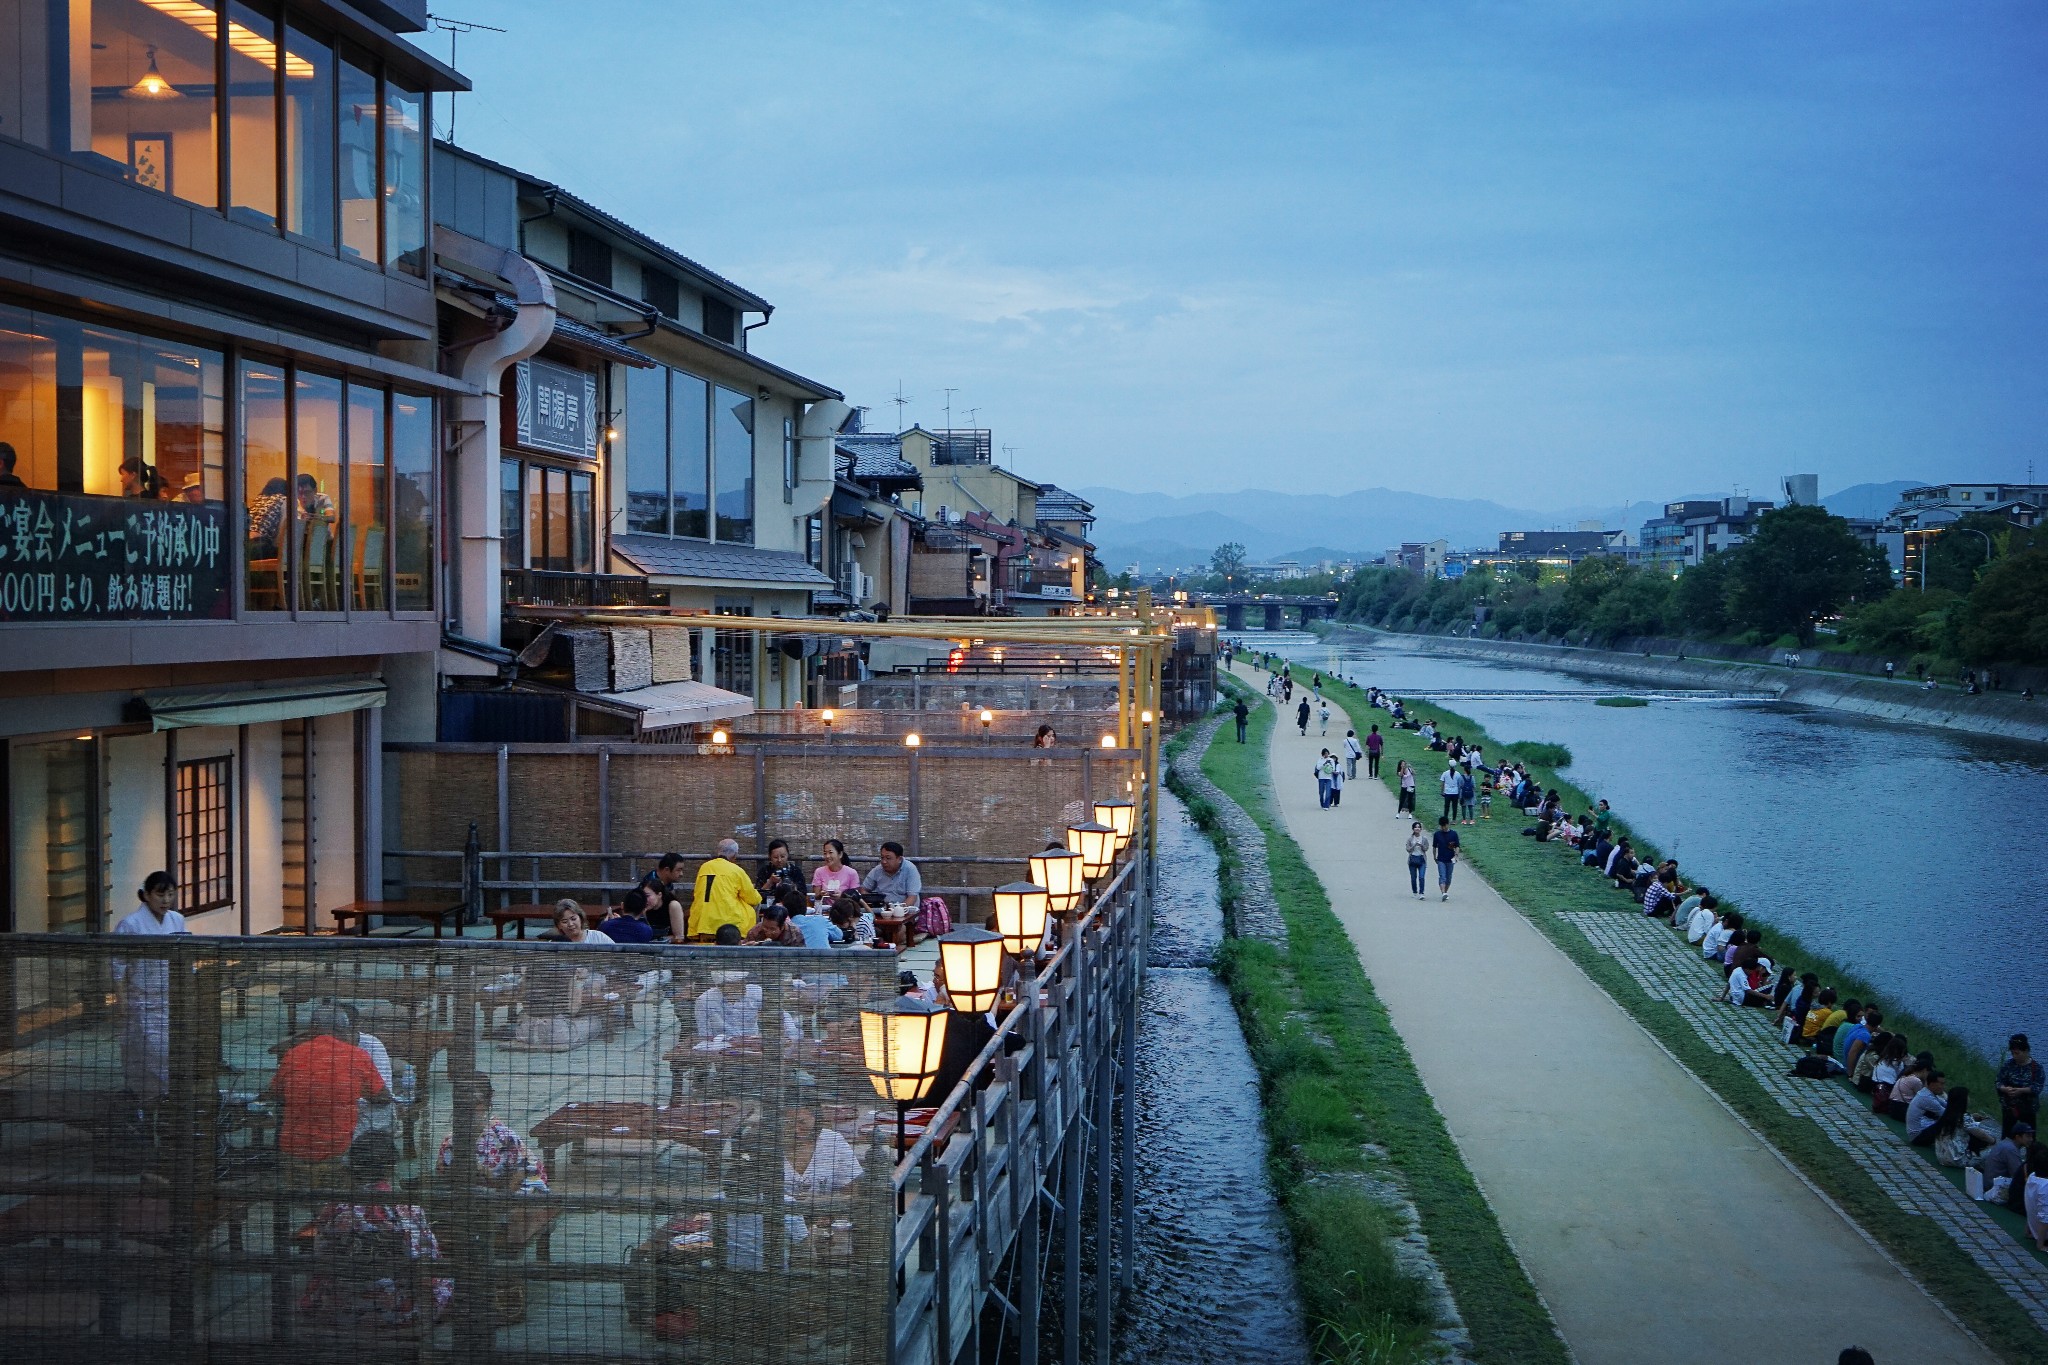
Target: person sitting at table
x,y
627,921
834,876
816,1164
317,1084
503,1158
368,1242
855,922
725,894
571,928
779,871
773,929
663,891
894,877
370,1118
815,925
562,1002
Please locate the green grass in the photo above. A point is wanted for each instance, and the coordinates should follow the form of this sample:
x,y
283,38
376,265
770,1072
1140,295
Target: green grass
x,y
1336,1077
1544,884
1620,701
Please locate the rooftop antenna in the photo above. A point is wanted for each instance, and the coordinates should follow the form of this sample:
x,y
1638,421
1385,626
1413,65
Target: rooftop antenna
x,y
902,400
453,27
972,412
1008,451
949,407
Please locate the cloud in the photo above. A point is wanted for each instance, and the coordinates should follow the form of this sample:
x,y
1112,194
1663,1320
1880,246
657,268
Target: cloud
x,y
957,287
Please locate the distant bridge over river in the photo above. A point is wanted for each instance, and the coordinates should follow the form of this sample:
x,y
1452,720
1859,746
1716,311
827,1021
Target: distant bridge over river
x,y
1273,608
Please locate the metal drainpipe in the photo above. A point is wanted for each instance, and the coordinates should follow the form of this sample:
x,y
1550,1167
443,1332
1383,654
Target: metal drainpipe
x,y
746,329
479,596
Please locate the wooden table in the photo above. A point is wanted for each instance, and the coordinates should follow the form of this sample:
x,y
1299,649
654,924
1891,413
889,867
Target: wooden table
x,y
522,915
894,927
691,1123
427,910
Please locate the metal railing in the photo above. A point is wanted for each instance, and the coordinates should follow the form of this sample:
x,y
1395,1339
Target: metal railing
x,y
552,588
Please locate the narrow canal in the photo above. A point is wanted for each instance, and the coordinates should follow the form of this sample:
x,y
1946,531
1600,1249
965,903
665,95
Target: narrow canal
x,y
1215,1275
1909,853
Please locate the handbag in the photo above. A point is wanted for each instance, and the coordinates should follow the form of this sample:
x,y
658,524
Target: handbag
x,y
1880,1096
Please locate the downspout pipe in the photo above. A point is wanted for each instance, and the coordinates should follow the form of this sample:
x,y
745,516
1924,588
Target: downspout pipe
x,y
474,437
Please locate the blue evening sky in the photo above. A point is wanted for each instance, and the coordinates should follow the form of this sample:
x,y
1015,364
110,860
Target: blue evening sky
x,y
1552,254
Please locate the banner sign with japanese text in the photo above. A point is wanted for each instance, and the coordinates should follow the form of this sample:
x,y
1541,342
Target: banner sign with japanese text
x,y
74,557
557,409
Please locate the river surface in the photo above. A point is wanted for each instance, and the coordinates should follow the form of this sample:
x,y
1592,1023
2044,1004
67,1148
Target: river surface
x,y
1911,854
1215,1274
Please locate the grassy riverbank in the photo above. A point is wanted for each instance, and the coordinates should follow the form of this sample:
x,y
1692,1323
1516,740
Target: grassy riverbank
x,y
1344,1107
1545,886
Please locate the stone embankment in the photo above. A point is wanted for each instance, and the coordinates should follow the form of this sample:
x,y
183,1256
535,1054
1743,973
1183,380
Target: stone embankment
x,y
2003,714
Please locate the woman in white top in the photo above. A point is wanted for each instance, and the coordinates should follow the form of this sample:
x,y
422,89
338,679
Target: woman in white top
x,y
569,924
144,991
2035,1201
1418,860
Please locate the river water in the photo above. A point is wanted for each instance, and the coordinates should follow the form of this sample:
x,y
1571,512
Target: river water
x,y
1215,1275
1911,854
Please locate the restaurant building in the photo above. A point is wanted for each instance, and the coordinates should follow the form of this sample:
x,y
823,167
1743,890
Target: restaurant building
x,y
221,513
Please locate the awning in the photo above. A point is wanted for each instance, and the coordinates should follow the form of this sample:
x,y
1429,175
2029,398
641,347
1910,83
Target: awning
x,y
259,705
675,703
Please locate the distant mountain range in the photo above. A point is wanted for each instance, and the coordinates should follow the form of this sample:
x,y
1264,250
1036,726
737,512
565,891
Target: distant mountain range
x,y
1164,531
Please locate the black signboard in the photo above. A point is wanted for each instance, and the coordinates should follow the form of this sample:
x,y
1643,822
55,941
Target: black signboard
x,y
557,409
73,557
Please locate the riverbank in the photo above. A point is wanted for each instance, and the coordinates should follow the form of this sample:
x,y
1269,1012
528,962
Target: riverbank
x,y
1356,1148
2001,714
1960,1252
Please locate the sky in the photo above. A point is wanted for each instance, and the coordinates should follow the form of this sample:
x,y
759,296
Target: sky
x,y
1552,254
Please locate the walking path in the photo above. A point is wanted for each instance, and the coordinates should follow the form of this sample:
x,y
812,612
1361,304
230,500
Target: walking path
x,y
1652,1221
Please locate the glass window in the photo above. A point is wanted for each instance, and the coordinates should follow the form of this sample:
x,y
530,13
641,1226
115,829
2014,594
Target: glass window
x,y
91,411
358,122
252,110
309,137
142,94
581,486
367,513
789,449
537,517
405,180
647,451
205,834
688,453
733,442
412,513
25,70
511,517
322,551
266,480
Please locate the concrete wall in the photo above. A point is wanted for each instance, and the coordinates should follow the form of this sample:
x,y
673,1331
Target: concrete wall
x,y
2003,714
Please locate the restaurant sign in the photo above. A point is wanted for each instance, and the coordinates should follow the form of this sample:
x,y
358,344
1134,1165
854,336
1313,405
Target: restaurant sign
x,y
74,557
557,409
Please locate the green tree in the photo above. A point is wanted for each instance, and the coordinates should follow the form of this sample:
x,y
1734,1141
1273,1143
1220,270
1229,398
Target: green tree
x,y
1227,562
1701,595
1802,563
1902,622
1958,557
2006,617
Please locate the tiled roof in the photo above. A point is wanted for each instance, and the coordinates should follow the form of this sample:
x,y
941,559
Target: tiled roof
x,y
661,557
1057,504
874,455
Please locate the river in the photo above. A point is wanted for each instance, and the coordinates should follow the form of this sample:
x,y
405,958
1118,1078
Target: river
x,y
1911,854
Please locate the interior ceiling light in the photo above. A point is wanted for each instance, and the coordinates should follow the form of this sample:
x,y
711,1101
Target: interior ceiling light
x,y
152,86
202,16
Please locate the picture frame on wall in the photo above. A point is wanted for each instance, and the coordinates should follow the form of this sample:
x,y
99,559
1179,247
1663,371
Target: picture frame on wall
x,y
149,160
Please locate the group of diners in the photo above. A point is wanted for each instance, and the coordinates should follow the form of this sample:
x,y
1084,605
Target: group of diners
x,y
774,903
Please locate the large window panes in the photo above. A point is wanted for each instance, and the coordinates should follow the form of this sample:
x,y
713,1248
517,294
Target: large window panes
x,y
367,515
558,526
142,93
90,410
25,70
309,137
511,516
689,454
733,444
405,179
412,512
357,113
252,110
647,451
266,481
322,558
581,486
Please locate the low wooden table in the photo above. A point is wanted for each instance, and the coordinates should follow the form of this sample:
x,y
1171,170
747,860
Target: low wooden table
x,y
690,1122
893,927
427,910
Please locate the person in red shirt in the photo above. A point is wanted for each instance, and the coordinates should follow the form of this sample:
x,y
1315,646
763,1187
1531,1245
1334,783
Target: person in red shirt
x,y
317,1085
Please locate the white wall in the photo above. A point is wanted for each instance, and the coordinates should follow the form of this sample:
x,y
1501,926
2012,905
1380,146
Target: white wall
x,y
263,807
334,812
135,818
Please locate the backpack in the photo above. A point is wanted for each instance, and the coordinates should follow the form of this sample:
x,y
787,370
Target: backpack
x,y
1813,1067
933,918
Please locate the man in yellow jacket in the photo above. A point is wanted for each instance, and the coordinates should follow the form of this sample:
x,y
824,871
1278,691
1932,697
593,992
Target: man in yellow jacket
x,y
725,894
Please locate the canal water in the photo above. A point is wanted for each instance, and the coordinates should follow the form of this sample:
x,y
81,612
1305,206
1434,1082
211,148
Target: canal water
x,y
1214,1274
1912,854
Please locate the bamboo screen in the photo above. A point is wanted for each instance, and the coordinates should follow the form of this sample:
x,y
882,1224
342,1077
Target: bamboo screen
x,y
595,1153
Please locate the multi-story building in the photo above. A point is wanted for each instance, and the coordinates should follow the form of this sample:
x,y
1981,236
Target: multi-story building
x,y
865,542
1568,547
1424,557
1691,530
221,512
1924,513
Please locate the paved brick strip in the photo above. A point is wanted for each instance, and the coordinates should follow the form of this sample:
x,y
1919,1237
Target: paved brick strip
x,y
1671,971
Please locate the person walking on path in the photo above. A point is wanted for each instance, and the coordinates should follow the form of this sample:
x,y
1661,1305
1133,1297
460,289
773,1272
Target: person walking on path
x,y
1453,788
1352,753
1322,772
1323,715
1418,859
1445,842
1243,714
1336,782
1301,717
1405,775
1374,743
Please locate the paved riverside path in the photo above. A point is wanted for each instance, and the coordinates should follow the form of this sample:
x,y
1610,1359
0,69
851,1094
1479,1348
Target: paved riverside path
x,y
1655,1225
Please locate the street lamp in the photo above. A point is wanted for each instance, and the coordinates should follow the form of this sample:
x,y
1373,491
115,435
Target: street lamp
x,y
1021,910
1120,816
973,959
1109,741
988,718
902,1042
1061,872
826,716
1096,843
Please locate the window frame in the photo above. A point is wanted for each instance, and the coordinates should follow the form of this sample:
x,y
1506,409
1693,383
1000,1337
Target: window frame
x,y
197,863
